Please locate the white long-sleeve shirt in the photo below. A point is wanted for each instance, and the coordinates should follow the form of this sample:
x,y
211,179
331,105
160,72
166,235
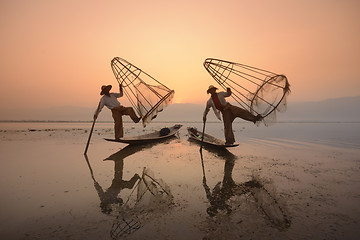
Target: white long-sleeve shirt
x,y
110,102
210,104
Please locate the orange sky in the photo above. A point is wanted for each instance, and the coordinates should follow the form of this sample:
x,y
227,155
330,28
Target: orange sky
x,y
56,53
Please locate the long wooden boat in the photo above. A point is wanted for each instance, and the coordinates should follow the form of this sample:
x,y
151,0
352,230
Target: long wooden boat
x,y
196,135
150,137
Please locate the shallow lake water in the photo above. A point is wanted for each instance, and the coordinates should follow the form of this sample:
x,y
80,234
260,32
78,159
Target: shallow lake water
x,y
286,181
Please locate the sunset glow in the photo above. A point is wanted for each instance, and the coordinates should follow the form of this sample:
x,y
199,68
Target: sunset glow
x,y
58,53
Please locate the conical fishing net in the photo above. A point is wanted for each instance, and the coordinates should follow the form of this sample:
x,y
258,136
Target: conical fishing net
x,y
256,90
147,95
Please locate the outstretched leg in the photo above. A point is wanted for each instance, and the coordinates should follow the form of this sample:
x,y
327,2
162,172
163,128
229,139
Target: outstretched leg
x,y
129,111
244,114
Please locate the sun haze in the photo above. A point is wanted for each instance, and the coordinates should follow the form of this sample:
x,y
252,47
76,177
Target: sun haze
x,y
58,53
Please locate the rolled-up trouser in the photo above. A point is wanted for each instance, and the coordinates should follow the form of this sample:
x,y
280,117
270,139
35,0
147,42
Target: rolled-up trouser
x,y
117,114
229,113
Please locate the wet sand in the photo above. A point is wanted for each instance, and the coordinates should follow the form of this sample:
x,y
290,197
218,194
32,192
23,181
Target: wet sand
x,y
287,181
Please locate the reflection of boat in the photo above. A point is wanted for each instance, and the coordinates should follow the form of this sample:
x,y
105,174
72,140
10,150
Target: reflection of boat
x,y
128,151
162,134
195,135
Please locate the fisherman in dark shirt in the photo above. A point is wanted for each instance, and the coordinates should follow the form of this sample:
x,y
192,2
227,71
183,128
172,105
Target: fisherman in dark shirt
x,y
218,103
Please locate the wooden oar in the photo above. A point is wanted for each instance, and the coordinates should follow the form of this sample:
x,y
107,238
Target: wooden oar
x,y
202,164
91,171
201,145
202,137
92,128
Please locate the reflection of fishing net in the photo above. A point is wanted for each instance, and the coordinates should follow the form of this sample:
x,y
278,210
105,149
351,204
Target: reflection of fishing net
x,y
259,91
125,225
243,200
147,95
153,197
251,210
152,193
270,206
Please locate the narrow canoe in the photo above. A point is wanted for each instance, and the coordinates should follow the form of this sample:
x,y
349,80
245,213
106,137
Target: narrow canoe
x,y
148,138
196,135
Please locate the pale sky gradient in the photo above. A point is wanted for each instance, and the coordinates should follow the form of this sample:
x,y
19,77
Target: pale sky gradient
x,y
58,52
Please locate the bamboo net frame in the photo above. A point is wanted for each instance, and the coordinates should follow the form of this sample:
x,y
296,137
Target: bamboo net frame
x,y
257,90
147,95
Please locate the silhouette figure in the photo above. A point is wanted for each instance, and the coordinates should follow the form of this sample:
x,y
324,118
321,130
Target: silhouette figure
x,y
110,196
223,191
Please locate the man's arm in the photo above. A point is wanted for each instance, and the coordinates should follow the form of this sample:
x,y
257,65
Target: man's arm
x,y
121,90
228,92
206,111
121,93
98,110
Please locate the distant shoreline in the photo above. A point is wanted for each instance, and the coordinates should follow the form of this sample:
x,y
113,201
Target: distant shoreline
x,y
81,121
345,110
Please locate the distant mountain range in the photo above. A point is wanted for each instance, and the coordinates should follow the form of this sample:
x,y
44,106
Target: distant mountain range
x,y
345,109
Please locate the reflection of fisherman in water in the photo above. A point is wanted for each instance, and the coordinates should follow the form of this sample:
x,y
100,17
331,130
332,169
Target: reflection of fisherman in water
x,y
110,196
222,192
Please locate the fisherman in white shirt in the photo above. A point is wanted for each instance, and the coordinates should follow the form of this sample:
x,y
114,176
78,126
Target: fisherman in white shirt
x,y
218,103
110,101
